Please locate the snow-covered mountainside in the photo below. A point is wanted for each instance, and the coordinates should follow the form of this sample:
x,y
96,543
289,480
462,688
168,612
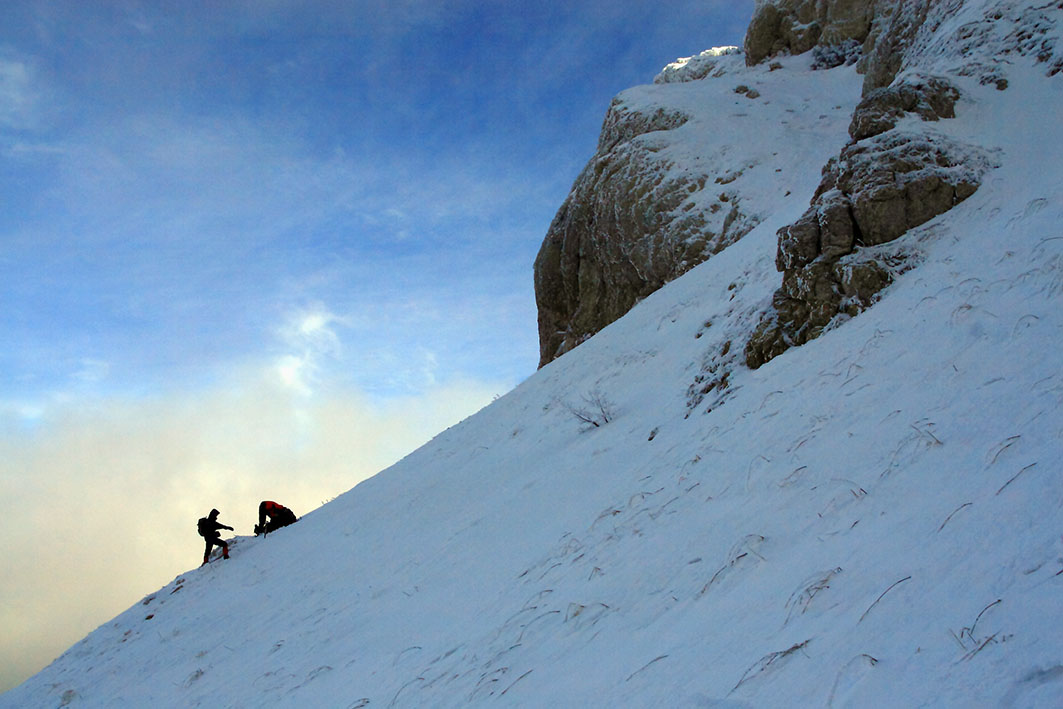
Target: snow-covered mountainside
x,y
871,519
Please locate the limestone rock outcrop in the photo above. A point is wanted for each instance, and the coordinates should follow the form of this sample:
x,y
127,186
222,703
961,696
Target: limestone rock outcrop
x,y
796,26
622,233
633,220
874,192
889,180
930,98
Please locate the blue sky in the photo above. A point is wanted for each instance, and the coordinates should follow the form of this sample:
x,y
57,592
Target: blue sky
x,y
178,184
263,248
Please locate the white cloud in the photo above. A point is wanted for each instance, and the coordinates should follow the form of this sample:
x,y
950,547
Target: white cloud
x,y
311,335
313,330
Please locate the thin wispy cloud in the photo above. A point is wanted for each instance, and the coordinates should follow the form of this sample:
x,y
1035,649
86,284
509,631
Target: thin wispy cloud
x,y
311,338
17,94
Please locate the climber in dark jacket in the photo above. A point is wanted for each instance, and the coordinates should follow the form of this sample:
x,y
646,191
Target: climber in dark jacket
x,y
208,529
279,516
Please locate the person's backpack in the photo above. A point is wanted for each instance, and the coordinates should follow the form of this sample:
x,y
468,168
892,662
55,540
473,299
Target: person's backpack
x,y
204,527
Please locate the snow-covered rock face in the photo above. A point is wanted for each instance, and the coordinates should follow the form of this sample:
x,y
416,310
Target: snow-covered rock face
x,y
697,67
959,38
890,179
874,192
684,168
881,109
796,26
643,213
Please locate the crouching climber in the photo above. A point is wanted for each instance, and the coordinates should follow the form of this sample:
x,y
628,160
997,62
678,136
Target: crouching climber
x,y
208,529
279,516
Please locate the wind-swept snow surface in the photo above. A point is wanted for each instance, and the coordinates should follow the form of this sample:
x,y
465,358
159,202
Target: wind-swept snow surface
x,y
872,519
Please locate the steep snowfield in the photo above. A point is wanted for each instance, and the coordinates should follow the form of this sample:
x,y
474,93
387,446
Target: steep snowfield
x,y
873,519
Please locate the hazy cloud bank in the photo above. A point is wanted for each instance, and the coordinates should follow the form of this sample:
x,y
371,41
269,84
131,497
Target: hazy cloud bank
x,y
102,496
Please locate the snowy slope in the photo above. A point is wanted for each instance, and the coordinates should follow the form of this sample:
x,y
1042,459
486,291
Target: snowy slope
x,y
872,519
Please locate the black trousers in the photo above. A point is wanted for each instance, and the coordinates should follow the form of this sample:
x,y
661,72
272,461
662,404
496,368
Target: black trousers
x,y
283,519
213,542
280,519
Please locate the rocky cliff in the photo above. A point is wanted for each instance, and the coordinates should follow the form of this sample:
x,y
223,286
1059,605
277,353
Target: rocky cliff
x,y
640,214
900,169
637,217
684,168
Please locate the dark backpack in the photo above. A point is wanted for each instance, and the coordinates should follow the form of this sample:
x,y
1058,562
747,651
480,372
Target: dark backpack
x,y
204,527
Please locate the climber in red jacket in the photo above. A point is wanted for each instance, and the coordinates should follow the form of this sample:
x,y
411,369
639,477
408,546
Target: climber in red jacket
x,y
279,516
